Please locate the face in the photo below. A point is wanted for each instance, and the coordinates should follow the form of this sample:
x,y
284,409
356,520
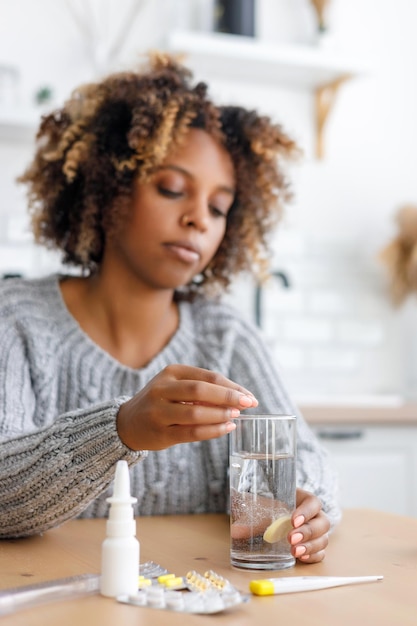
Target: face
x,y
179,216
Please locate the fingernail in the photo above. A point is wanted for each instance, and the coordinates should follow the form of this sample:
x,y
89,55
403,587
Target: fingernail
x,y
245,401
300,550
296,538
305,557
299,521
229,426
234,413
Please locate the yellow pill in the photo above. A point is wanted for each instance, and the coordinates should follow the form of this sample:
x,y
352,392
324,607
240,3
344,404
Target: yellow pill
x,y
175,582
164,577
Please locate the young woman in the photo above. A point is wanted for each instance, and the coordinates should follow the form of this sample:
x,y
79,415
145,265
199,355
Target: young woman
x,y
159,197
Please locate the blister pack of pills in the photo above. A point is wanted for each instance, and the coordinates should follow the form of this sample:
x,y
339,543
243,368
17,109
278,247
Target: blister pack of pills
x,y
194,593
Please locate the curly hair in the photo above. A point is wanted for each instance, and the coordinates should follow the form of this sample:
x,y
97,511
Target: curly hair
x,y
114,132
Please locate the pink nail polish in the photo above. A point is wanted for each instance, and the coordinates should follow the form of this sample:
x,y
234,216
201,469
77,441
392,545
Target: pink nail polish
x,y
300,550
296,538
299,521
245,401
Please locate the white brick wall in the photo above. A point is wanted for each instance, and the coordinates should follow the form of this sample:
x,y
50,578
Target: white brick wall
x,y
333,331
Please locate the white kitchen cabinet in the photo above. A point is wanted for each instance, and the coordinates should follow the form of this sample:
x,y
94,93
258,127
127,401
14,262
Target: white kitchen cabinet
x,y
377,465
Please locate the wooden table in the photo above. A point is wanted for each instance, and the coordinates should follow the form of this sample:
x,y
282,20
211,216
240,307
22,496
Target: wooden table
x,y
366,543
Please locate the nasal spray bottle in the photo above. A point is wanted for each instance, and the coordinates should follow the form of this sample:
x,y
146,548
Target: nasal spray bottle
x,y
120,549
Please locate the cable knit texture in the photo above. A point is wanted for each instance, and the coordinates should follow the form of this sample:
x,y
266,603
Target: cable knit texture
x,y
59,398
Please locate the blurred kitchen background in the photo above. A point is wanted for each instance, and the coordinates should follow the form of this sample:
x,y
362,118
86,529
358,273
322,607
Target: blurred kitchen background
x,y
340,76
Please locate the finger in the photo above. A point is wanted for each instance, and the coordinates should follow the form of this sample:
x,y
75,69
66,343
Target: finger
x,y
308,507
197,392
215,378
307,550
201,385
316,527
317,557
245,525
185,434
246,529
195,415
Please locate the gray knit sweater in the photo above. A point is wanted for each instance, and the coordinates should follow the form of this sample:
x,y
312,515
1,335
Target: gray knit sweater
x,y
59,397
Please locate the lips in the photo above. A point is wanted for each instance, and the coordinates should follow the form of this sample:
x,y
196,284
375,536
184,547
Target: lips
x,y
184,251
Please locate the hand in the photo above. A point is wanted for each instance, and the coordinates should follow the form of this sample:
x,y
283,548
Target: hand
x,y
309,538
181,404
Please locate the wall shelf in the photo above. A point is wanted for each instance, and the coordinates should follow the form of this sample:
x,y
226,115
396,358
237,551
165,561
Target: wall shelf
x,y
242,58
236,57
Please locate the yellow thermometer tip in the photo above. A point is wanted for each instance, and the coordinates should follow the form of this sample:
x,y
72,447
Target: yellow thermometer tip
x,y
261,587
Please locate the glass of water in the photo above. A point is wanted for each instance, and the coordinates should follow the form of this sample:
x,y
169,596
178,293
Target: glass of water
x,y
262,491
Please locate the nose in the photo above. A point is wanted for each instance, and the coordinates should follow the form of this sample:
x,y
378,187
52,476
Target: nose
x,y
196,215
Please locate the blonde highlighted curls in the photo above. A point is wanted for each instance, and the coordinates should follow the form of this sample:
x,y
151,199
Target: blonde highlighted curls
x,y
112,133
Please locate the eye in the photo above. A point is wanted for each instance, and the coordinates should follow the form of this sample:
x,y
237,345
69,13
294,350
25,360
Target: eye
x,y
169,193
218,212
221,205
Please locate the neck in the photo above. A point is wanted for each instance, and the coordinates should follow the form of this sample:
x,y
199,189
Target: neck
x,y
129,320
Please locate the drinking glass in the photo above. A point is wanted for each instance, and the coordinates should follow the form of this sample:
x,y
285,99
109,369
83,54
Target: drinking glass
x,y
262,491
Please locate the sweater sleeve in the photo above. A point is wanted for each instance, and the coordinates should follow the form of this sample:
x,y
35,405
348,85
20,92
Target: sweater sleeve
x,y
253,367
52,465
51,475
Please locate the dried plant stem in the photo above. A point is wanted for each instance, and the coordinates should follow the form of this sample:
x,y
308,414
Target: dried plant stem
x,y
320,7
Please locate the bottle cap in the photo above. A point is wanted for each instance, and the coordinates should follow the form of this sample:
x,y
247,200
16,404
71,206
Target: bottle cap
x,y
121,522
121,489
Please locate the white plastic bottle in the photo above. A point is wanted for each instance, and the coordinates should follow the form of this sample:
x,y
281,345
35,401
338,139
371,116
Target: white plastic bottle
x,y
120,549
